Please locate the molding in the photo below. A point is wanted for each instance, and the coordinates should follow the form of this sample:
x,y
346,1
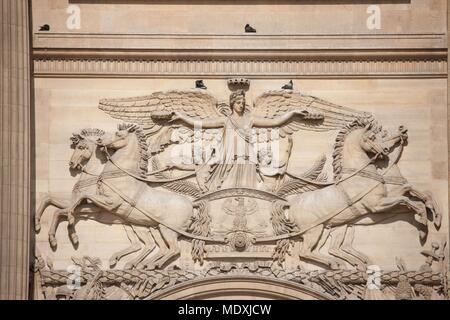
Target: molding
x,y
240,54
255,56
433,67
220,287
50,40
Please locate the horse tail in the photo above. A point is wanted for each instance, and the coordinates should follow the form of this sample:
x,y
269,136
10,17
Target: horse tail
x,y
199,225
281,225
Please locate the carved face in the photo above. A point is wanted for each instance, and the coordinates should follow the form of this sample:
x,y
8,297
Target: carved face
x,y
370,144
82,153
239,105
116,141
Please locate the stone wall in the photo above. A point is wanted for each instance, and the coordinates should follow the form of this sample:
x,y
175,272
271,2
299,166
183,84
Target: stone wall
x,y
398,73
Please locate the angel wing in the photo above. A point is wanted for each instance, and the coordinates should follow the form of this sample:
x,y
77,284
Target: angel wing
x,y
304,183
152,112
276,103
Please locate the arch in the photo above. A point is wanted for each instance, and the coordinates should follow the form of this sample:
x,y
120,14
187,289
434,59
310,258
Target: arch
x,y
240,288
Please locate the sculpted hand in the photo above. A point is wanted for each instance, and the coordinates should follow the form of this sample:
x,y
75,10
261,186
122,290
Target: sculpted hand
x,y
176,116
302,113
308,115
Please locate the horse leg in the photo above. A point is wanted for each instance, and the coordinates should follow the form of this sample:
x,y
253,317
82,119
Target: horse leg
x,y
347,246
56,220
57,215
135,246
171,238
430,203
46,201
163,250
81,209
101,201
310,240
337,239
419,208
149,246
425,197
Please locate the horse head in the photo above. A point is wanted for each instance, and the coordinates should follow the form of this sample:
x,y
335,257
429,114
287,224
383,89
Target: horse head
x,y
371,143
122,137
393,140
131,147
356,144
84,146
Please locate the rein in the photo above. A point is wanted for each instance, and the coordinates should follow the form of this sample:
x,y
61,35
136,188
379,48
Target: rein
x,y
132,203
140,178
325,184
331,215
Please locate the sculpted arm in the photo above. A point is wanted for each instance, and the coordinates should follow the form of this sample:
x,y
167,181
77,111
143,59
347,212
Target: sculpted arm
x,y
278,121
205,123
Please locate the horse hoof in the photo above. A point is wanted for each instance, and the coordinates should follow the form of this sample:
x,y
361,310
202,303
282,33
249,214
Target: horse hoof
x,y
437,221
423,235
129,266
53,242
74,239
113,262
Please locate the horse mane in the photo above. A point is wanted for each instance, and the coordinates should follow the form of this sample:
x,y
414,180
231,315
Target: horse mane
x,y
358,123
86,134
92,132
143,147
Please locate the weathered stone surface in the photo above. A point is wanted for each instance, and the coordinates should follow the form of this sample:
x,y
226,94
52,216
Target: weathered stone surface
x,y
15,150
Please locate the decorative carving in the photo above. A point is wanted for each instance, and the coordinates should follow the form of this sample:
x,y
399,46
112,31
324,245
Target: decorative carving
x,y
370,67
142,284
240,237
238,84
234,197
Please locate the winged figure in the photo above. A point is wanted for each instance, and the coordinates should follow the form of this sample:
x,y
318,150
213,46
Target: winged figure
x,y
238,159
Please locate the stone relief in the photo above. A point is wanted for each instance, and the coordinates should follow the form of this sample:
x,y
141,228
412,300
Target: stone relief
x,y
184,168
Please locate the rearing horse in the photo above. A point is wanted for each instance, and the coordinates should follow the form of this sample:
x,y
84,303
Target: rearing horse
x,y
359,190
89,160
123,194
396,185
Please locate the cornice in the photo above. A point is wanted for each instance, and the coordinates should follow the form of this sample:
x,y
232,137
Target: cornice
x,y
250,67
293,56
239,54
238,41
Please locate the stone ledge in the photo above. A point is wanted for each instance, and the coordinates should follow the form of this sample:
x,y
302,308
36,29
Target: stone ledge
x,y
237,42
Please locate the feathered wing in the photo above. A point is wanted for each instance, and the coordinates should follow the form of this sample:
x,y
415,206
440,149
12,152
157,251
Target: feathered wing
x,y
311,180
154,111
325,115
145,110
